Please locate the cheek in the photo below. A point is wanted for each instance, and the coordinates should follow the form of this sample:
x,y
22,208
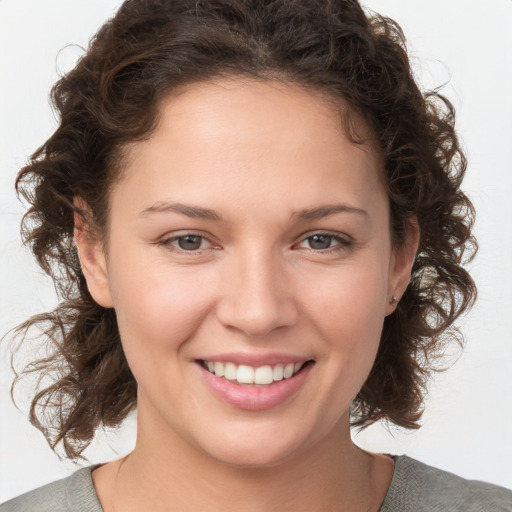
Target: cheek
x,y
348,311
158,306
349,301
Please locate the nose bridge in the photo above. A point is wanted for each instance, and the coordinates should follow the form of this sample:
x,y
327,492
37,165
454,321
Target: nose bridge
x,y
257,298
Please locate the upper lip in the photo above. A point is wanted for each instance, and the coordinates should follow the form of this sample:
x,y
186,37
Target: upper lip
x,y
255,360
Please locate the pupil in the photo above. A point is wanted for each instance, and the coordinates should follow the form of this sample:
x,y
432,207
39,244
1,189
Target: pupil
x,y
190,242
320,241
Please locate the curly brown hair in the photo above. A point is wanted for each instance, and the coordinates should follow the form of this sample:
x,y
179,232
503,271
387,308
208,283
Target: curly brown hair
x,y
111,98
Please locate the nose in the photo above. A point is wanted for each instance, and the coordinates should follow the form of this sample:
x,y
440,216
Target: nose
x,y
257,296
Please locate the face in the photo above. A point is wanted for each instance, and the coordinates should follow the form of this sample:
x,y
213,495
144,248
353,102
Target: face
x,y
250,264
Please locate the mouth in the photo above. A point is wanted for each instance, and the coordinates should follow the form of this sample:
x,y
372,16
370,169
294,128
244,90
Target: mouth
x,y
253,376
254,388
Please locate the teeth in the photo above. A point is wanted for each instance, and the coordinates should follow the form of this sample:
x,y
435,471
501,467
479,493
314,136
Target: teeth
x,y
219,369
262,375
245,374
288,370
230,371
278,372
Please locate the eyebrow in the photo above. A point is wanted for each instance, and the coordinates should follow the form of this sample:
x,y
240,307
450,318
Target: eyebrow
x,y
197,212
326,211
194,212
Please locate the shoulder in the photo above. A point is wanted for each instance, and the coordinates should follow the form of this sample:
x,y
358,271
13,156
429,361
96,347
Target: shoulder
x,y
72,494
418,487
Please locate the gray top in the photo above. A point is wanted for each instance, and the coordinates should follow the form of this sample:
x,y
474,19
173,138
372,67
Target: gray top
x,y
415,487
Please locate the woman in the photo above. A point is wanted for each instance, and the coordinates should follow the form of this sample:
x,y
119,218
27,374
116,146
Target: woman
x,y
255,222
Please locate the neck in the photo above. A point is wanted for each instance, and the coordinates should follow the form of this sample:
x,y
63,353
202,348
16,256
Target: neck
x,y
164,469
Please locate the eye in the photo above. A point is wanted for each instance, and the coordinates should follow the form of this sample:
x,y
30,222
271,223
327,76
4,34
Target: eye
x,y
188,242
324,242
319,242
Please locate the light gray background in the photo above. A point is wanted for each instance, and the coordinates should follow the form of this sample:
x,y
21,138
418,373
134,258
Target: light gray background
x,y
467,426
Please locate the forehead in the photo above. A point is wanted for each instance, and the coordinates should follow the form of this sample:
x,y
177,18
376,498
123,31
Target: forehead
x,y
241,137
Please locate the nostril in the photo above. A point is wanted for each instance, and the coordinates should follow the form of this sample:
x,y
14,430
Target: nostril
x,y
257,317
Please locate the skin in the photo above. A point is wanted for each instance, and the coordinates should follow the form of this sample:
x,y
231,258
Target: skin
x,y
259,155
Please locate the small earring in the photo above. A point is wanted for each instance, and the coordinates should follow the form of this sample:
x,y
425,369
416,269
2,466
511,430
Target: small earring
x,y
393,300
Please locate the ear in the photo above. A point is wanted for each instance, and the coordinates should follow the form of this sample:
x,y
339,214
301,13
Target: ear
x,y
401,264
91,254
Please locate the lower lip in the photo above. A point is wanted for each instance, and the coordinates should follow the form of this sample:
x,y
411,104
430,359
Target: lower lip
x,y
253,398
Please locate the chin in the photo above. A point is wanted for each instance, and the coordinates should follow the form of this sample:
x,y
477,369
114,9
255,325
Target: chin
x,y
253,457
257,446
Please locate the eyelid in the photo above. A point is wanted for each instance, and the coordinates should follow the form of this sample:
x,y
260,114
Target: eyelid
x,y
344,240
168,240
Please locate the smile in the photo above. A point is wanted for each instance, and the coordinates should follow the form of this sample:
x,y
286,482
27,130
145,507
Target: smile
x,y
260,376
254,388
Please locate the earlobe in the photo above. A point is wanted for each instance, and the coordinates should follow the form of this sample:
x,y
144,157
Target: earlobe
x,y
91,254
402,262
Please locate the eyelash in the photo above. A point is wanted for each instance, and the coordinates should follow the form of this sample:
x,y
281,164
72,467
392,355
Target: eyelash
x,y
341,243
168,243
